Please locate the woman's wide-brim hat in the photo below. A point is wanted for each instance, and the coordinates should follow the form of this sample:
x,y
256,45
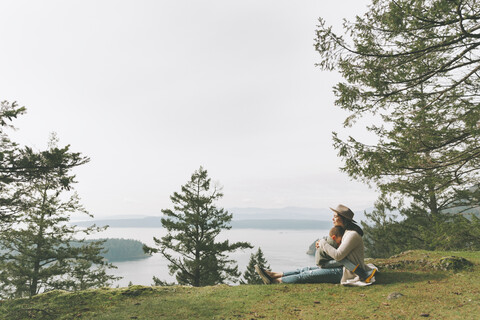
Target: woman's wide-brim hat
x,y
344,212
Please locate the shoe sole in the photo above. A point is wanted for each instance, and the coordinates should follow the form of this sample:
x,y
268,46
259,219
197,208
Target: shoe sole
x,y
262,275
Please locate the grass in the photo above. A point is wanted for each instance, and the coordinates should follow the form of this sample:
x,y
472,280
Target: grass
x,y
428,290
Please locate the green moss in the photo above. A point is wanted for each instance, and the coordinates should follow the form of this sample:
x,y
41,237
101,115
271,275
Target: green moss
x,y
424,261
454,263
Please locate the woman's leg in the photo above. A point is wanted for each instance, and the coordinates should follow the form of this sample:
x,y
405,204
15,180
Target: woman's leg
x,y
340,263
300,270
276,275
331,264
314,275
362,273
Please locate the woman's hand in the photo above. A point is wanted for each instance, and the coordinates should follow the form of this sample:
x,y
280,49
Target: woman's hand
x,y
320,243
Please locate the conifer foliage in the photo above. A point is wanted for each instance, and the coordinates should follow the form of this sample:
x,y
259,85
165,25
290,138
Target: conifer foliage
x,y
250,276
10,171
40,251
411,72
190,245
20,165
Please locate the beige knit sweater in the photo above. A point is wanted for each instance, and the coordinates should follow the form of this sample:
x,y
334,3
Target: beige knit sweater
x,y
351,248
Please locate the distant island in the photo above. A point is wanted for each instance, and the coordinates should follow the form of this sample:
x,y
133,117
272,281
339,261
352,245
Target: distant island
x,y
117,250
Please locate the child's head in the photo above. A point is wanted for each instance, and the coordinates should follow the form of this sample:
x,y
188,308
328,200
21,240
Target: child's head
x,y
336,233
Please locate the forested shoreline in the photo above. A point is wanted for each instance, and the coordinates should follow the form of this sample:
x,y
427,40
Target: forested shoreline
x,y
116,250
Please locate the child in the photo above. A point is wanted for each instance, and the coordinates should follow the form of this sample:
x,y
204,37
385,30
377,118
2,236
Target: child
x,y
323,260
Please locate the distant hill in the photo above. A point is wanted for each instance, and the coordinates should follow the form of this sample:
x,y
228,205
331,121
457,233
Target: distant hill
x,y
275,224
148,222
252,218
154,222
289,213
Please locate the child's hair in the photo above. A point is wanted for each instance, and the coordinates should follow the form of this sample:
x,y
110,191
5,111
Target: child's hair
x,y
337,231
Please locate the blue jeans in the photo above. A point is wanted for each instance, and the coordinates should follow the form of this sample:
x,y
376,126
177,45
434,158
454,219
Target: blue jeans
x,y
334,264
313,275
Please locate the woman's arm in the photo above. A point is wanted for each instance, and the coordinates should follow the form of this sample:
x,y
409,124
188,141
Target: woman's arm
x,y
349,242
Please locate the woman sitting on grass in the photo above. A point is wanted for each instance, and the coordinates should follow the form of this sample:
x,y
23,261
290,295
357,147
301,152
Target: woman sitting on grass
x,y
350,253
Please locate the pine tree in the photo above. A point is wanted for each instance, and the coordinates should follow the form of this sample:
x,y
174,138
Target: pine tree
x,y
250,275
40,249
192,227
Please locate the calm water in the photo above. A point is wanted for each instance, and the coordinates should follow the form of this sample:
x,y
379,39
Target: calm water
x,y
283,249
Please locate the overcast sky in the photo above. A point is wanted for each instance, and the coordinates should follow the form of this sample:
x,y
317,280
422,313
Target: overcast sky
x,y
151,90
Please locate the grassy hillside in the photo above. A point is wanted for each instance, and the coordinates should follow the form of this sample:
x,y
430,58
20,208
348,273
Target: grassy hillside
x,y
412,285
